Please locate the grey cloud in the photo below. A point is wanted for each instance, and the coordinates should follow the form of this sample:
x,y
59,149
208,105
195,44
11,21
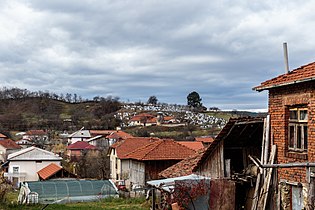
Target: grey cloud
x,y
135,49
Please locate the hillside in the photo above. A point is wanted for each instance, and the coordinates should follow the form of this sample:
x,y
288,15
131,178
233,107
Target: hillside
x,y
45,113
27,113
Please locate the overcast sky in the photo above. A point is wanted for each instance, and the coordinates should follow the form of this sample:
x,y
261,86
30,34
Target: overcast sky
x,y
136,49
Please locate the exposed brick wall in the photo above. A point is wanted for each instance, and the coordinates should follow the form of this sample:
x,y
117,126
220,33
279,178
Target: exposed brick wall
x,y
280,99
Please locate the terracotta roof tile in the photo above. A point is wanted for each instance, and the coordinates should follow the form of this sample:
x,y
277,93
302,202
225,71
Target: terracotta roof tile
x,y
195,145
119,134
9,144
204,139
128,145
184,167
301,74
3,136
80,145
164,149
141,116
167,118
48,171
36,132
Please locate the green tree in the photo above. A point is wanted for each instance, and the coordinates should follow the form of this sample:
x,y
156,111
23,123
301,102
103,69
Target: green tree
x,y
194,100
152,100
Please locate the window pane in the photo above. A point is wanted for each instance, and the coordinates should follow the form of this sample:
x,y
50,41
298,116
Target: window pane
x,y
291,137
299,137
303,115
305,137
293,115
15,169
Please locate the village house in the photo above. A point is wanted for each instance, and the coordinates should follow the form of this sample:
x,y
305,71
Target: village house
x,y
98,138
137,160
80,135
76,150
7,146
143,119
105,138
24,164
117,136
35,135
120,149
292,116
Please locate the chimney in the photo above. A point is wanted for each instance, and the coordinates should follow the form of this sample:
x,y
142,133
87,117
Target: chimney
x,y
286,59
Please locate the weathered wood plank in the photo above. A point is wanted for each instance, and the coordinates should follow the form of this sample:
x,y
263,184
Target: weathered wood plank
x,y
264,191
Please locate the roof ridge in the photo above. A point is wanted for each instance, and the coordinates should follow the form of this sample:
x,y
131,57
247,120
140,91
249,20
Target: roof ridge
x,y
21,152
158,143
184,146
143,147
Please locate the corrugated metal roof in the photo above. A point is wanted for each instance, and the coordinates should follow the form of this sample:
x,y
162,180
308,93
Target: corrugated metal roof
x,y
33,153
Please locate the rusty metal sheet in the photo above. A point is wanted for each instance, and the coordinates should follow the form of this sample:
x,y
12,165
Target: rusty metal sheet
x,y
222,195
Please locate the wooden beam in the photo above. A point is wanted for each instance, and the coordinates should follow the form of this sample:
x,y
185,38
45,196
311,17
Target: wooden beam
x,y
264,191
266,133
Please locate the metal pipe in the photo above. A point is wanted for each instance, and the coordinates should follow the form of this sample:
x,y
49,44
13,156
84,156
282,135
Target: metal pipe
x,y
287,165
286,58
257,162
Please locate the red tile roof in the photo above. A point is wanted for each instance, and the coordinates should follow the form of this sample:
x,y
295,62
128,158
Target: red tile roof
x,y
48,171
302,74
3,136
184,167
166,118
142,116
195,145
204,139
119,135
164,149
128,145
101,132
80,145
9,144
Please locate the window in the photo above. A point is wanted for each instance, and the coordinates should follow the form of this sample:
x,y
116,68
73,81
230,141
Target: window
x,y
15,169
298,129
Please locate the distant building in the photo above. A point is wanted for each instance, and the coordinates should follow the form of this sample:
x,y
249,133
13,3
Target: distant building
x,y
24,164
7,146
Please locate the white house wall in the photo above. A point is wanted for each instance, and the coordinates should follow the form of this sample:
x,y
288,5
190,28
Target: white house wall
x,y
115,172
134,172
29,168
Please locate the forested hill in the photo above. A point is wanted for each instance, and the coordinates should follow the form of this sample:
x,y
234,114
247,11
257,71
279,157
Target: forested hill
x,y
24,112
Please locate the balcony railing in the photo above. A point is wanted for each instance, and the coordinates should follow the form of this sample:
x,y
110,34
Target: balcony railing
x,y
21,174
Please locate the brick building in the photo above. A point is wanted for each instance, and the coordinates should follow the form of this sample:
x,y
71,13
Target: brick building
x,y
292,120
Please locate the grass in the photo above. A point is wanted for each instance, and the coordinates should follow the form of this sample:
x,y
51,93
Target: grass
x,y
104,204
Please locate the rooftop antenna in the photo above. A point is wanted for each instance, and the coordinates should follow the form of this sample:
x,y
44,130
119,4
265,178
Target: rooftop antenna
x,y
286,59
